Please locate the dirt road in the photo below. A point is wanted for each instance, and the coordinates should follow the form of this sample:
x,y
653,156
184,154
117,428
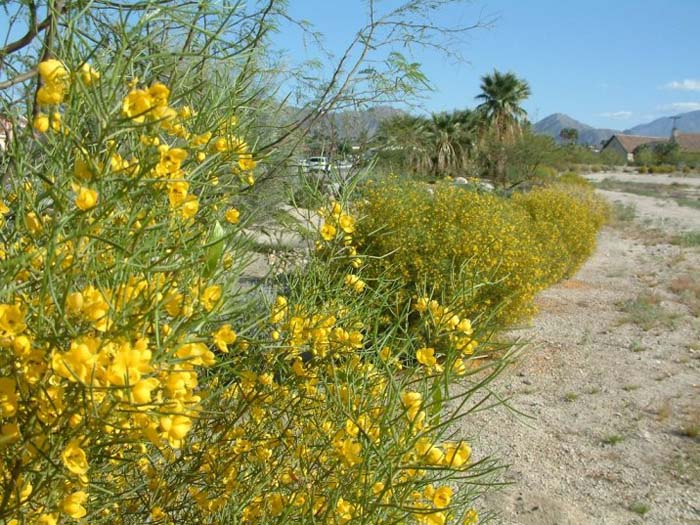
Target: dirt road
x,y
612,380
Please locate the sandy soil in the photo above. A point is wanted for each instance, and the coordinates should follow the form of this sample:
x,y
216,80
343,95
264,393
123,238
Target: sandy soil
x,y
660,178
614,395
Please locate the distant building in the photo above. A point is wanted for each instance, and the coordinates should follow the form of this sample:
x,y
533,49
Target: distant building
x,y
626,145
6,129
688,142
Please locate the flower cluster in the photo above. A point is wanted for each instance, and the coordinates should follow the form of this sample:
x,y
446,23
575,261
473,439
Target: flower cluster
x,y
140,384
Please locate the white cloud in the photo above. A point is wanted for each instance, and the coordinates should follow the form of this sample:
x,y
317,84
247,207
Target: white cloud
x,y
680,106
688,84
620,115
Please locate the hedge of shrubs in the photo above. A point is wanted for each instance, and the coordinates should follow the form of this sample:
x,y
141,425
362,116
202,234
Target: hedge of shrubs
x,y
506,249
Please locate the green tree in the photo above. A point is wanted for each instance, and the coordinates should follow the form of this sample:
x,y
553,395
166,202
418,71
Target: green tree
x,y
501,97
569,135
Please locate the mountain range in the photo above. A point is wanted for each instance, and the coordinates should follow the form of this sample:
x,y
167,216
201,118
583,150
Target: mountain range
x,y
362,125
661,127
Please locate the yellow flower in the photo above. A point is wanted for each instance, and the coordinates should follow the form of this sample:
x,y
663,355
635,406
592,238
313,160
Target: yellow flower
x,y
74,303
33,223
73,505
211,296
170,160
347,223
177,193
344,511
11,319
471,517
196,354
190,207
9,433
137,104
224,336
232,215
457,455
95,308
442,497
411,399
354,282
8,397
47,519
426,356
50,94
160,93
175,428
141,391
276,503
56,121
246,162
421,304
53,71
88,75
41,123
279,311
74,458
200,140
328,232
86,198
429,452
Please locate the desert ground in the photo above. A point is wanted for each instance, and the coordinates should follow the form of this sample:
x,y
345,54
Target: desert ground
x,y
610,377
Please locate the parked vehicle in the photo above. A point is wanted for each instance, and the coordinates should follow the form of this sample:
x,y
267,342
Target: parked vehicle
x,y
318,164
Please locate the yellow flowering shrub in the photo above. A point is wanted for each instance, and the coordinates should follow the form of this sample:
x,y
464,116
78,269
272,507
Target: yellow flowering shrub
x,y
566,219
489,254
140,384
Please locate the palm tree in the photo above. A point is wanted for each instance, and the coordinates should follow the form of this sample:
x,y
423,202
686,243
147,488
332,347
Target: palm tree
x,y
439,144
569,135
453,140
501,96
409,134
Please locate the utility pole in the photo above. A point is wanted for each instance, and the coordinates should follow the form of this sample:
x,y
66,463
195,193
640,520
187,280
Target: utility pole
x,y
674,130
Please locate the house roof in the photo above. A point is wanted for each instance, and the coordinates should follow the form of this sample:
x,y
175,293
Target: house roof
x,y
688,141
632,142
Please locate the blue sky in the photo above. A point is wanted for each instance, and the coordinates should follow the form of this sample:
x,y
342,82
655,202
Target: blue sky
x,y
608,64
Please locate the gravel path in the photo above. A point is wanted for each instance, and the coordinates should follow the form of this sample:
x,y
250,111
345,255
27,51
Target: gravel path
x,y
612,381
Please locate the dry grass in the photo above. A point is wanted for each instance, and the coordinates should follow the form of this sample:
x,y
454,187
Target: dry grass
x,y
687,288
647,312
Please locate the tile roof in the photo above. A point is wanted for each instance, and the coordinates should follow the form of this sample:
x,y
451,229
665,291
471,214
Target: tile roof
x,y
632,142
688,141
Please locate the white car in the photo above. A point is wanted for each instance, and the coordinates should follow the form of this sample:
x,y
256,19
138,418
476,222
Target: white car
x,y
318,164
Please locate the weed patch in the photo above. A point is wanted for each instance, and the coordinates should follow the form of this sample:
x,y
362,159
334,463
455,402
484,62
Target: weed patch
x,y
687,239
647,312
612,439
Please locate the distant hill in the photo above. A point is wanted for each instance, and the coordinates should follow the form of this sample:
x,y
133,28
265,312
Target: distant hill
x,y
661,127
355,125
553,124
